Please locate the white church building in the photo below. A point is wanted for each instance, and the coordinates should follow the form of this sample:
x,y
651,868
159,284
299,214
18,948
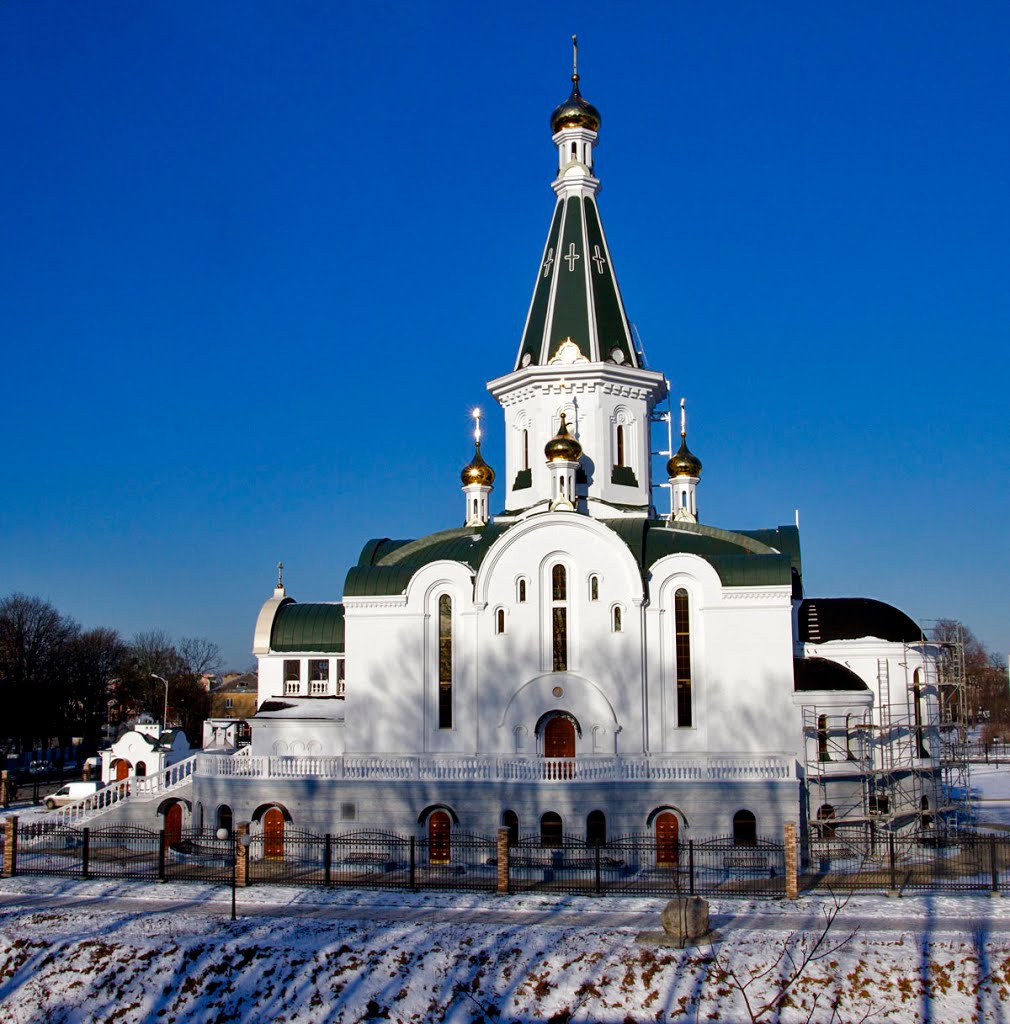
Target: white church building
x,y
578,664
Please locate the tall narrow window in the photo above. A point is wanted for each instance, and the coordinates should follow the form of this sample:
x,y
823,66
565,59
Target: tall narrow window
x,y
682,625
617,619
594,588
559,616
620,445
499,625
921,750
521,595
822,738
445,662
526,449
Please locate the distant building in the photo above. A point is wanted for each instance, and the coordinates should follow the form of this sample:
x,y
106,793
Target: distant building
x,y
145,749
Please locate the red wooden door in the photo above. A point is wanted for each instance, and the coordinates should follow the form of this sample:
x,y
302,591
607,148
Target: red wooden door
x,y
667,838
273,834
173,824
439,842
559,741
122,770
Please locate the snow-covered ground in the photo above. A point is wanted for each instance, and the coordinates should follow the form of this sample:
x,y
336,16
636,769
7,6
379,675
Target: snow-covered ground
x,y
101,951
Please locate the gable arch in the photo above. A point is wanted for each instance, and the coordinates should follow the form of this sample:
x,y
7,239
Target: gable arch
x,y
432,808
663,809
536,532
257,815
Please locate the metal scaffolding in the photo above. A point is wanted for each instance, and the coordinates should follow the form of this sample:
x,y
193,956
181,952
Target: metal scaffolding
x,y
901,765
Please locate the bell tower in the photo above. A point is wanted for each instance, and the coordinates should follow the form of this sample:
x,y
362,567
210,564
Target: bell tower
x,y
577,356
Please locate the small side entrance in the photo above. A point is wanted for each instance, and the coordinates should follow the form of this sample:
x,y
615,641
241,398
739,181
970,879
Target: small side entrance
x,y
273,834
173,824
122,769
439,838
667,839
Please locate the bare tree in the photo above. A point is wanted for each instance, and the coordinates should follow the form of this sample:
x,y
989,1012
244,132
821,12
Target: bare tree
x,y
765,990
199,655
33,635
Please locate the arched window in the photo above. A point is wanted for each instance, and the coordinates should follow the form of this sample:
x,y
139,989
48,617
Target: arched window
x,y
551,829
617,626
822,738
744,829
682,626
920,743
224,818
559,618
499,621
596,829
826,816
445,662
510,820
521,592
141,770
594,588
620,445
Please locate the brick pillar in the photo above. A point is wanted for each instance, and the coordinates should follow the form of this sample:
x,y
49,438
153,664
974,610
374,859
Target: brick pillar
x,y
503,860
11,846
241,855
792,885
5,798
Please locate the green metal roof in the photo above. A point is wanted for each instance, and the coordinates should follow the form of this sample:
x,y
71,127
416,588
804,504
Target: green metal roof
x,y
744,559
308,627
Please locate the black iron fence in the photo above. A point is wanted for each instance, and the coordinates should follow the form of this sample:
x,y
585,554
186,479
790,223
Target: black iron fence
x,y
632,865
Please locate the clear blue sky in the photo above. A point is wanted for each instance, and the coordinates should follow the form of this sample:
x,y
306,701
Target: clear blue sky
x,y
259,259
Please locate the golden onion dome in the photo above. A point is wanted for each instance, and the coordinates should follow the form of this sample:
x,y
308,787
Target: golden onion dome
x,y
575,112
684,461
563,447
477,471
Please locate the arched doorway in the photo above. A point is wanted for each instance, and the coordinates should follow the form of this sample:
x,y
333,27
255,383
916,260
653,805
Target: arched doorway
x,y
122,767
141,770
439,838
596,829
273,834
173,823
224,818
559,742
667,839
551,829
744,829
510,820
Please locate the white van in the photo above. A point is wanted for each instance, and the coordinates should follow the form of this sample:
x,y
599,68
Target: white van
x,y
71,793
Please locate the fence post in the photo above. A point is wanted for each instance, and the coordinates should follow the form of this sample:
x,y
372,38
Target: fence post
x,y
413,864
241,855
327,859
690,865
992,865
11,846
85,852
161,855
503,860
893,866
596,865
789,840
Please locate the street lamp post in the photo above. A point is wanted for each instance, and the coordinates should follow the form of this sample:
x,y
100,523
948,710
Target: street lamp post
x,y
223,833
164,720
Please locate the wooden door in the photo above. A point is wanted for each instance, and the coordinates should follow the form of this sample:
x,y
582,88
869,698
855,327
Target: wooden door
x,y
439,842
173,824
122,770
273,834
667,839
559,742
559,738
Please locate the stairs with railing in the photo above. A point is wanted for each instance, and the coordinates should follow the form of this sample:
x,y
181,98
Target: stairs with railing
x,y
135,789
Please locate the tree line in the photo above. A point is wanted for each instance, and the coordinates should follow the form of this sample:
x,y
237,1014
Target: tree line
x,y
59,681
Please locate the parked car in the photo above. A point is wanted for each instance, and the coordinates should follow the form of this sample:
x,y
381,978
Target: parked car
x,y
71,793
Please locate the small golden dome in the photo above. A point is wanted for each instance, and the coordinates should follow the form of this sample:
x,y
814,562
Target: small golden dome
x,y
575,112
563,447
684,462
477,471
